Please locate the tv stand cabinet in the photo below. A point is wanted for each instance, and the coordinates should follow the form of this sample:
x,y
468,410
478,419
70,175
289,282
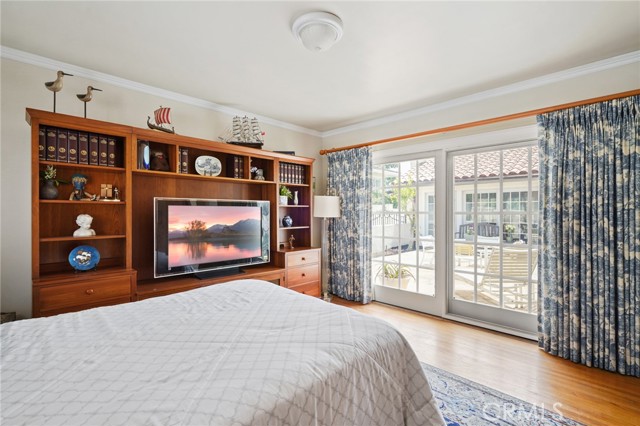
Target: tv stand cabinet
x,y
164,286
124,227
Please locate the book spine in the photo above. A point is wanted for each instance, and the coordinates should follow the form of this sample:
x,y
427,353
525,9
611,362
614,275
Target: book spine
x,y
93,150
241,172
185,160
42,144
103,151
51,144
62,144
72,151
111,152
83,148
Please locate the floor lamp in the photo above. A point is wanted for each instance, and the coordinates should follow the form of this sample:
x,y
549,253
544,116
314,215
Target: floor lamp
x,y
325,206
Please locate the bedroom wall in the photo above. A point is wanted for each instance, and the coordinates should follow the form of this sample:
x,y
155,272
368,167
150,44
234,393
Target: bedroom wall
x,y
606,82
22,86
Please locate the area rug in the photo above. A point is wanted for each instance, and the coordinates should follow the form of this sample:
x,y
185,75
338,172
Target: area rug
x,y
466,403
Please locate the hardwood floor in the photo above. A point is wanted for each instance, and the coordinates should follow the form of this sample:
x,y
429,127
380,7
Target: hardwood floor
x,y
515,366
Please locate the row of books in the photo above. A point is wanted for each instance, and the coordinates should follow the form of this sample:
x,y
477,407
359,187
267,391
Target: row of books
x,y
72,146
292,173
236,164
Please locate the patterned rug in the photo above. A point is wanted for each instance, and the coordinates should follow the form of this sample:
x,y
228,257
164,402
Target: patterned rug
x,y
466,403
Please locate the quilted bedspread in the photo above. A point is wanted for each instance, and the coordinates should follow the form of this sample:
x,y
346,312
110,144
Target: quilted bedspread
x,y
241,353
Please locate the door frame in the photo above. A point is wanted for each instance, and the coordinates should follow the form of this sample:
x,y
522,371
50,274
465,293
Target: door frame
x,y
441,304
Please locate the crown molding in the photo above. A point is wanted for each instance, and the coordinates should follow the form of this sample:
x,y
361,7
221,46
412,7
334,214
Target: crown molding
x,y
48,63
605,64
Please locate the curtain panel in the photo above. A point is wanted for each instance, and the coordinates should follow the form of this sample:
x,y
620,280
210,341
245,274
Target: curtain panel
x,y
349,173
589,275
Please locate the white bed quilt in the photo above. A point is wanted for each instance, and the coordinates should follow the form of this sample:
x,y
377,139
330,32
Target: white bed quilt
x,y
242,353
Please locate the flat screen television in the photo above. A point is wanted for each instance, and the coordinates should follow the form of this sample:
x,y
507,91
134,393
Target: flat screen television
x,y
209,237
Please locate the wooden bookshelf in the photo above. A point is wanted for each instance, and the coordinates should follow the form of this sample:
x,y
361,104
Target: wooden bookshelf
x,y
124,229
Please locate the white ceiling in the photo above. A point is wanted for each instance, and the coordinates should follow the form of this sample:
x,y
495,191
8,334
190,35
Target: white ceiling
x,y
393,56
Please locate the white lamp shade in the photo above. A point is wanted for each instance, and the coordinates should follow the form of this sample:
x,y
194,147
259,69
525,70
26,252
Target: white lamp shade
x,y
326,206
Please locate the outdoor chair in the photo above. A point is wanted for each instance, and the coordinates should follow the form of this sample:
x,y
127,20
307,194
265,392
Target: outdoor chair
x,y
515,275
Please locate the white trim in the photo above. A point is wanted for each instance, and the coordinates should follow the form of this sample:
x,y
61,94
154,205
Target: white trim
x,y
605,64
479,140
491,326
52,64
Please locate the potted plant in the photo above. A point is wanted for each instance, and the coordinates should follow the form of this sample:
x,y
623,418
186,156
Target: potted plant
x,y
468,234
285,193
49,190
392,273
509,230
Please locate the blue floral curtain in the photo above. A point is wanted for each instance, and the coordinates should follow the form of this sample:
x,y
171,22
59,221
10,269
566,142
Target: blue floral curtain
x,y
350,235
590,252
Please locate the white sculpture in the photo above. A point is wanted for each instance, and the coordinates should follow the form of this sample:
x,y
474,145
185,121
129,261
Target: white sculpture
x,y
84,222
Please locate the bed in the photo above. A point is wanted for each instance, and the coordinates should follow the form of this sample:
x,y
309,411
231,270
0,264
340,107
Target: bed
x,y
241,353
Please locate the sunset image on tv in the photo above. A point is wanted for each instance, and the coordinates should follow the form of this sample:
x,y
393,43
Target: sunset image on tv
x,y
205,234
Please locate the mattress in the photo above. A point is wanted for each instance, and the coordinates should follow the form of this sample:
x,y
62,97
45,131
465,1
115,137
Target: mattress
x,y
241,353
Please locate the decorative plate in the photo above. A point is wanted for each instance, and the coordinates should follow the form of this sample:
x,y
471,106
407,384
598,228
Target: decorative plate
x,y
208,166
84,258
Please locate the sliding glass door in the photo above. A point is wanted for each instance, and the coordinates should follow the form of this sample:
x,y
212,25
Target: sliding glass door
x,y
403,230
494,236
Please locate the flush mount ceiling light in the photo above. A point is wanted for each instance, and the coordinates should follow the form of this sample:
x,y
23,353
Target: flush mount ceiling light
x,y
317,31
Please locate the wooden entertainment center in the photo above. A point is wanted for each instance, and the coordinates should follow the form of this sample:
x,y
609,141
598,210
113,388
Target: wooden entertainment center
x,y
125,228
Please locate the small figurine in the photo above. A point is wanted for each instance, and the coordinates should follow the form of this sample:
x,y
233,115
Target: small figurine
x,y
79,181
116,194
291,240
259,174
158,162
84,222
56,86
86,97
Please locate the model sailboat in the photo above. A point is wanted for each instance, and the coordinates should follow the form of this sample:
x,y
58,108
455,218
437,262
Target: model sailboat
x,y
162,118
246,132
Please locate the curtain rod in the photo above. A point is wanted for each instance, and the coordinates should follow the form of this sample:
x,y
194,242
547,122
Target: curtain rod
x,y
487,121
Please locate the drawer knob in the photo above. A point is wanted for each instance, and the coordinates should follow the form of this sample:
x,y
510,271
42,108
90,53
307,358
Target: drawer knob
x,y
304,258
304,275
89,291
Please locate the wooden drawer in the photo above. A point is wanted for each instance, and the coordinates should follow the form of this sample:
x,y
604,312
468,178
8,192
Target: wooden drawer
x,y
310,289
302,274
84,293
303,258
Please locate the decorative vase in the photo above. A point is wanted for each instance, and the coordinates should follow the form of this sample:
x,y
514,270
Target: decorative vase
x,y
48,191
295,198
287,221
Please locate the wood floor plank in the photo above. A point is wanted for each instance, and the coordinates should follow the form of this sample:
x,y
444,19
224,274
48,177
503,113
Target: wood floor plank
x,y
516,367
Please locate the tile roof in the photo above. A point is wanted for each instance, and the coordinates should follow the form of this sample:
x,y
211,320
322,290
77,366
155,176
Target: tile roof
x,y
515,162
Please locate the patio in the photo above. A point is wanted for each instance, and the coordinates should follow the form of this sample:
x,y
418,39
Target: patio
x,y
476,277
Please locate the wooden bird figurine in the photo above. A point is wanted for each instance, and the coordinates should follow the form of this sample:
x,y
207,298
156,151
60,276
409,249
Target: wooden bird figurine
x,y
56,86
86,97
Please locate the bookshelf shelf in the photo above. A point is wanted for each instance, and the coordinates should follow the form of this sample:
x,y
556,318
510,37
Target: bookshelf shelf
x,y
95,237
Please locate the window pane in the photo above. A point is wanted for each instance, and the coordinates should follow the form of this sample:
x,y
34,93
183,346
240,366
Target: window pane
x,y
403,222
495,227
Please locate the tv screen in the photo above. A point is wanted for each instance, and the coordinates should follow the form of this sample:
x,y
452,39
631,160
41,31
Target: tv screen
x,y
202,237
